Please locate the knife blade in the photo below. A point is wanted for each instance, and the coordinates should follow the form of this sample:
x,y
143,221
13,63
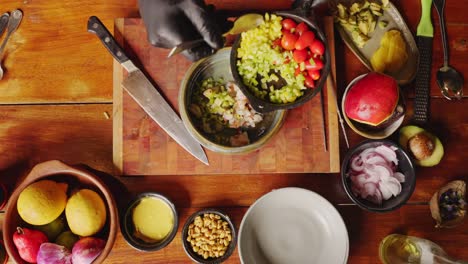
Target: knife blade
x,y
3,22
425,35
146,95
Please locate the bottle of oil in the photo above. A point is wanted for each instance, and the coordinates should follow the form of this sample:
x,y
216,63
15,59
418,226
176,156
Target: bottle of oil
x,y
401,249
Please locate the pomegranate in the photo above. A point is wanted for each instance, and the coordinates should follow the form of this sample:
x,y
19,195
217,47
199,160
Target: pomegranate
x,y
372,100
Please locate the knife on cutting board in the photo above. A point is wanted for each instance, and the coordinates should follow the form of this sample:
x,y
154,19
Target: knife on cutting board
x,y
425,35
146,95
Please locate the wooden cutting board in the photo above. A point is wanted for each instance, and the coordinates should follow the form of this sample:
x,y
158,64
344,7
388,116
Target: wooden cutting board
x,y
141,147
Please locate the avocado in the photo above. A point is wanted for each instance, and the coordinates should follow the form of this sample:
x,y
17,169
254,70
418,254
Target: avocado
x,y
422,145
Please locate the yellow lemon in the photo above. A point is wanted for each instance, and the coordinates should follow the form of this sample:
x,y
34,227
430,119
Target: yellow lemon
x,y
85,212
42,202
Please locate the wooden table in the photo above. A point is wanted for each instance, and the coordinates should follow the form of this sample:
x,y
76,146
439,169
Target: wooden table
x,y
59,85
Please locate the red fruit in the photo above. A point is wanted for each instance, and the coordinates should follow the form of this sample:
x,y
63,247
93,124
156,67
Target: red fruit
x,y
28,241
314,64
288,41
314,74
288,24
305,40
317,47
372,99
298,71
300,55
301,28
309,82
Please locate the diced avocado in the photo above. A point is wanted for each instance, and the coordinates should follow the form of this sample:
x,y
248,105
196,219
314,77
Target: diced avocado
x,y
375,6
372,25
342,11
366,5
377,13
383,24
432,158
354,8
363,27
352,20
384,3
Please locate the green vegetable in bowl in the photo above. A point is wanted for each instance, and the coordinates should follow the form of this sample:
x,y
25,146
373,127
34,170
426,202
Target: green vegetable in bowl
x,y
261,64
222,112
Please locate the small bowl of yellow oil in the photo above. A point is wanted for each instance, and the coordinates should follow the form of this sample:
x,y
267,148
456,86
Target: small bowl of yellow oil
x,y
149,222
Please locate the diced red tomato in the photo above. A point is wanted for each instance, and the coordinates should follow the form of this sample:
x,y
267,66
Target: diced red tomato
x,y
288,24
301,28
317,47
314,74
305,40
300,55
314,64
288,41
298,71
276,43
309,82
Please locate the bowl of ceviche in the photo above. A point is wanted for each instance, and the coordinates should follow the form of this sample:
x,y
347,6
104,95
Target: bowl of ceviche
x,y
282,63
378,175
216,112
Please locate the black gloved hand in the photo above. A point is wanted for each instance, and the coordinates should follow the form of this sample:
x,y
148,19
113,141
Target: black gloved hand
x,y
171,22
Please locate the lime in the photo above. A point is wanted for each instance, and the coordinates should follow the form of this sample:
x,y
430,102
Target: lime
x,y
42,202
67,239
85,212
52,229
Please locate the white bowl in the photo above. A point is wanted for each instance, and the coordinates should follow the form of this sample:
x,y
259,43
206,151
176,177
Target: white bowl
x,y
292,225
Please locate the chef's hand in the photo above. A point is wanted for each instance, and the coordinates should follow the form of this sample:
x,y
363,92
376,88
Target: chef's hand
x,y
171,22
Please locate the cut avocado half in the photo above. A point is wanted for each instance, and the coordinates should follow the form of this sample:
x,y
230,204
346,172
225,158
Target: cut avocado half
x,y
408,132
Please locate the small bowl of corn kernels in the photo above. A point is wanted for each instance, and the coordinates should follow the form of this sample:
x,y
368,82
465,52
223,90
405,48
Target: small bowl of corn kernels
x,y
209,236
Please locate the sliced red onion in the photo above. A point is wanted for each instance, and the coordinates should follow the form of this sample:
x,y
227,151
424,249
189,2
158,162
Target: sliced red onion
x,y
373,174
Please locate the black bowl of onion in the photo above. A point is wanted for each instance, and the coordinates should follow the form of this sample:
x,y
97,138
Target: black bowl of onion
x,y
378,175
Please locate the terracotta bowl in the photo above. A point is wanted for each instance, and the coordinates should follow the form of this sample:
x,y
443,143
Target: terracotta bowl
x,y
75,177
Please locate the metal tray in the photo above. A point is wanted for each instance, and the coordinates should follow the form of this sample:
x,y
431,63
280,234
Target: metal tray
x,y
395,21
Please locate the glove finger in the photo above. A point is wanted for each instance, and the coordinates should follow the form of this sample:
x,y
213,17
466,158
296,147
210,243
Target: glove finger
x,y
204,22
199,52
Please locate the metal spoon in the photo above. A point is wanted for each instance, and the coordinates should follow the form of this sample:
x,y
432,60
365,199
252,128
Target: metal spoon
x,y
3,22
243,23
13,24
450,81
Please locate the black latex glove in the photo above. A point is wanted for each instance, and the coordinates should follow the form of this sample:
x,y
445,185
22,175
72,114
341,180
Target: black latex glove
x,y
171,22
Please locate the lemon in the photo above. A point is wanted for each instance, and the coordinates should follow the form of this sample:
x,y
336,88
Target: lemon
x,y
85,212
42,202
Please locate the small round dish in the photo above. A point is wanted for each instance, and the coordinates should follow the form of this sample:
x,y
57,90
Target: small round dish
x,y
217,67
364,131
404,166
293,225
128,227
265,106
217,215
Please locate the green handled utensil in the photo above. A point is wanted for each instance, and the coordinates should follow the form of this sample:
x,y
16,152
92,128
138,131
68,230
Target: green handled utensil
x,y
425,34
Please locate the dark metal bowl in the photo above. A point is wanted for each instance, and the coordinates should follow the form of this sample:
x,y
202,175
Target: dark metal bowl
x,y
264,106
188,248
127,227
405,166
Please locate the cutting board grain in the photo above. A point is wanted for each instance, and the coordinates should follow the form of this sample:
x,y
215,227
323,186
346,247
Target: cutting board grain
x,y
141,147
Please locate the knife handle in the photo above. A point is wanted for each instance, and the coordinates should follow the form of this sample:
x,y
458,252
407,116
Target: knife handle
x,y
95,26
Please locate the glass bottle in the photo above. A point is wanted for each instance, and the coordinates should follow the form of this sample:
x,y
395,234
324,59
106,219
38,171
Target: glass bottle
x,y
401,249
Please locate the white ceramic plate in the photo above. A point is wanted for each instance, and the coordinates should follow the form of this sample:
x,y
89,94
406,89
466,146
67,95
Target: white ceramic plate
x,y
292,225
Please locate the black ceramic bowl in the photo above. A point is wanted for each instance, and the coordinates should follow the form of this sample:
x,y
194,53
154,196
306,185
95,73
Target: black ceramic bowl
x,y
127,227
405,166
188,248
264,105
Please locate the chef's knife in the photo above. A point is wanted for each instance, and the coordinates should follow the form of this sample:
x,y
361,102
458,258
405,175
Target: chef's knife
x,y
425,34
146,95
3,22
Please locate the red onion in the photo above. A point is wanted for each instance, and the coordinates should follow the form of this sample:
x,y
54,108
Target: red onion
x,y
50,253
87,249
373,174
